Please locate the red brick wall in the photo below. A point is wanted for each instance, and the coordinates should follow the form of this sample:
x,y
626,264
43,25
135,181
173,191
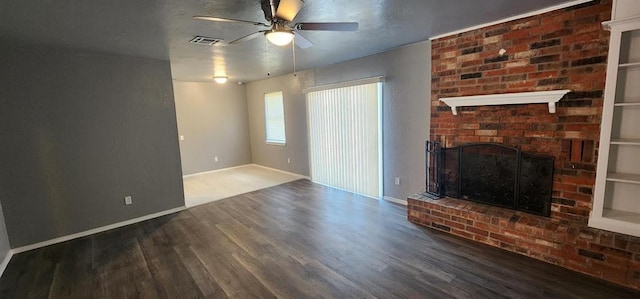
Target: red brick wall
x,y
562,49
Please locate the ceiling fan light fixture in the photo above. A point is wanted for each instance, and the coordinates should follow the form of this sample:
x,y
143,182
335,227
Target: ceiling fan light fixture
x,y
279,37
220,79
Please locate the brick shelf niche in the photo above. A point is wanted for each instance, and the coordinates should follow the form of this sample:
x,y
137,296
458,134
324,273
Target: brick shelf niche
x,y
564,49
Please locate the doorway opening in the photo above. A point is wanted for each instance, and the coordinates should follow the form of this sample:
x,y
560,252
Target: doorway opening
x,y
345,136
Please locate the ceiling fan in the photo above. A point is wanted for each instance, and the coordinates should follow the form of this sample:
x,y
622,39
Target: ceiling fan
x,y
279,14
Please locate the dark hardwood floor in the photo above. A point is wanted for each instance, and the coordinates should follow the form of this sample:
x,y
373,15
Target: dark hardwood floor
x,y
296,240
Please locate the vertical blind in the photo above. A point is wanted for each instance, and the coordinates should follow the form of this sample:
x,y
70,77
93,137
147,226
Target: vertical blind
x,y
345,138
274,118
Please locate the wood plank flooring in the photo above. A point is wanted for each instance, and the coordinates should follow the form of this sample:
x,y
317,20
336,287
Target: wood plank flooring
x,y
297,240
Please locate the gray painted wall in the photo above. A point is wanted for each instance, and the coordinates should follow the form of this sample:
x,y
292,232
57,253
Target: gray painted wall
x,y
276,156
79,132
405,113
214,121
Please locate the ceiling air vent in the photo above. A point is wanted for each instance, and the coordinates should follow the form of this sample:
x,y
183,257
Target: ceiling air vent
x,y
203,40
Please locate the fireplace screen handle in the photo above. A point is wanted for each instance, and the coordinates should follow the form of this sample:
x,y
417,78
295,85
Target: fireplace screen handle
x,y
433,160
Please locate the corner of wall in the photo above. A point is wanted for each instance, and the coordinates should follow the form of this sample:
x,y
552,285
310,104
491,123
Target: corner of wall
x,y
5,245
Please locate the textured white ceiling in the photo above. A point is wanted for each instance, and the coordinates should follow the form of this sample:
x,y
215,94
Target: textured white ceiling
x,y
161,29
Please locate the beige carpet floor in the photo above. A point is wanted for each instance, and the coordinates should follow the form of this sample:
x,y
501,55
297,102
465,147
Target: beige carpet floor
x,y
204,188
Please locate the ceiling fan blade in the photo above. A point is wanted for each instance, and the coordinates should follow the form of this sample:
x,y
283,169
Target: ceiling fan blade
x,y
216,19
288,9
247,37
301,41
335,26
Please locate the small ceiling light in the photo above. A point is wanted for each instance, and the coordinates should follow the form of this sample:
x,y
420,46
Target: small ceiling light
x,y
220,79
279,35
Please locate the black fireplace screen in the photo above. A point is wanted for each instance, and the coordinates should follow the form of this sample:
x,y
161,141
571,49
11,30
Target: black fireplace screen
x,y
492,174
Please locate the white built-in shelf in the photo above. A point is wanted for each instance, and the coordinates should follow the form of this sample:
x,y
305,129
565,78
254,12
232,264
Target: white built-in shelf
x,y
630,64
625,141
616,203
629,178
626,104
536,97
622,215
618,221
624,22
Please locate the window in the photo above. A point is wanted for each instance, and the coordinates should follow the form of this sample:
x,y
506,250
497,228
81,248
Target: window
x,y
274,118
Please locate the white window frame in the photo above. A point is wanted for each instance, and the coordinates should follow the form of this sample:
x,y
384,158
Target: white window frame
x,y
274,119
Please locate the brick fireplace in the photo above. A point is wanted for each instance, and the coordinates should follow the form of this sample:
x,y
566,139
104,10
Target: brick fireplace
x,y
562,49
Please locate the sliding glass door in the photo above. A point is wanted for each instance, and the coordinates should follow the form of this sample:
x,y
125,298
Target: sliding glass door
x,y
345,139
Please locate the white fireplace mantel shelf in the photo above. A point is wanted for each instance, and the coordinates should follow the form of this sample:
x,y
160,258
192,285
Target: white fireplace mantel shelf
x,y
536,97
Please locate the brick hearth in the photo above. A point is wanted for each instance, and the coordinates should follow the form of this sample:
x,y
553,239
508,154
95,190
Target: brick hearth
x,y
568,244
562,49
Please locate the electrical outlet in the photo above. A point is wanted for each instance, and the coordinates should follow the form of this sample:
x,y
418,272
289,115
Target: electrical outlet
x,y
181,137
397,181
128,200
288,160
215,158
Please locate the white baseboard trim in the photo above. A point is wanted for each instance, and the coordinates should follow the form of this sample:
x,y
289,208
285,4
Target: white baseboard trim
x,y
5,261
521,16
215,170
94,231
395,200
285,172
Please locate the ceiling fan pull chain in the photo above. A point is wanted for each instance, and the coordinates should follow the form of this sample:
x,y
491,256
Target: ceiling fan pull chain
x,y
293,46
266,46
